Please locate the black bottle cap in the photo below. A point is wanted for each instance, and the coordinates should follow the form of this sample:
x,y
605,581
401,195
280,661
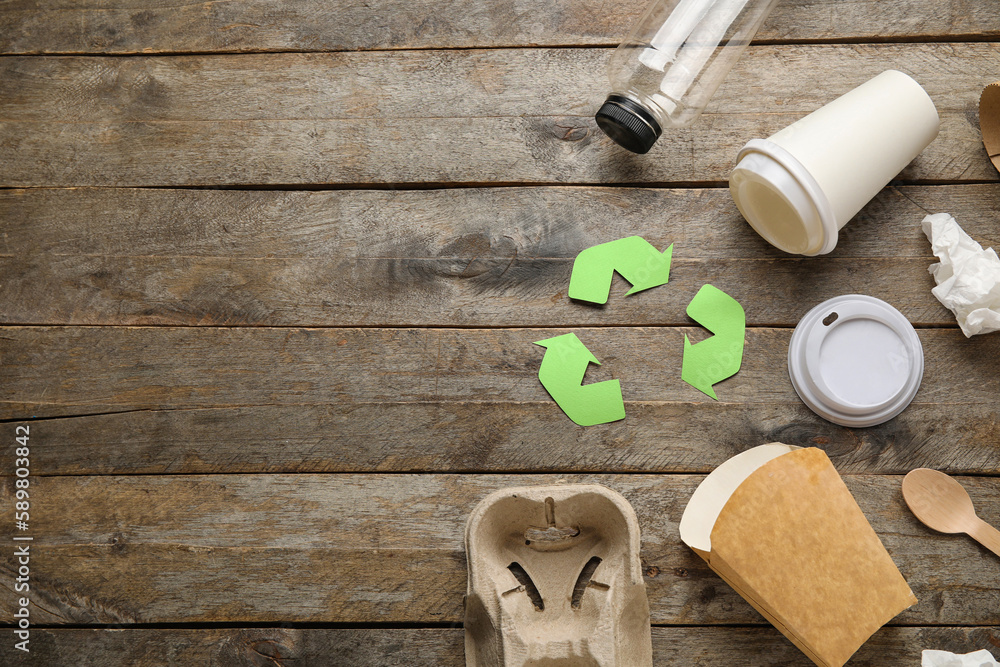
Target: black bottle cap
x,y
628,124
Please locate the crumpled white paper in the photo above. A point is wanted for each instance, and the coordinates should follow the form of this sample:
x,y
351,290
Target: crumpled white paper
x,y
944,659
968,277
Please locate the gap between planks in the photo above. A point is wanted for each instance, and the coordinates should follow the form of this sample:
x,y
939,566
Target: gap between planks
x,y
984,38
458,185
388,625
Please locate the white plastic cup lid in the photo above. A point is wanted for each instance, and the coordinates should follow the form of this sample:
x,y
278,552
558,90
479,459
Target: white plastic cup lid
x,y
855,361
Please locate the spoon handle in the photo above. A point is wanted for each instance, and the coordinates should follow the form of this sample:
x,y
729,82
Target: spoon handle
x,y
987,535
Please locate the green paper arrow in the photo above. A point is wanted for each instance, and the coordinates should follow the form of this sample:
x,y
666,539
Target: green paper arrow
x,y
716,358
561,373
634,258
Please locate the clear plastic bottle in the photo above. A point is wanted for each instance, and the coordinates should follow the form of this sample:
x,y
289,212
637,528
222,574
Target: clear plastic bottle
x,y
668,68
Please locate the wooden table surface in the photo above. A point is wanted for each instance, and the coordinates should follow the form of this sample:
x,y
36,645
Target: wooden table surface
x,y
270,274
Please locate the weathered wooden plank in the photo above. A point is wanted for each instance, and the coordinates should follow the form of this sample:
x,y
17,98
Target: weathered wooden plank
x,y
443,647
394,153
492,256
57,371
498,437
389,548
707,647
430,117
450,84
426,647
127,26
473,291
426,224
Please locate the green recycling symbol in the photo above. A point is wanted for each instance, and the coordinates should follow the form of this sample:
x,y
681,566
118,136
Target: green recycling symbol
x,y
641,264
634,259
561,373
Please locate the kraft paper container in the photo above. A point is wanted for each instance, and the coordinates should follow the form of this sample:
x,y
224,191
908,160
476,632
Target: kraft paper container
x,y
778,524
989,121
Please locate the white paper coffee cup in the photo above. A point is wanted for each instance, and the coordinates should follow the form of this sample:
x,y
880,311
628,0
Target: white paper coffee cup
x,y
799,187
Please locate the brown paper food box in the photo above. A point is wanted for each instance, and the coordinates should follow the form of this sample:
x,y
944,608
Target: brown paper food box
x,y
989,121
792,541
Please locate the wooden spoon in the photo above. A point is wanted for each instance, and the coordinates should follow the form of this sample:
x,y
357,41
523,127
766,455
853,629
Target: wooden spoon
x,y
941,503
